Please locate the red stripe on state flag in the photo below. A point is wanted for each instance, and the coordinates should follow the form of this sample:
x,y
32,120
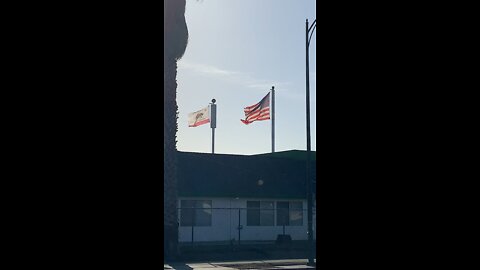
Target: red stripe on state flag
x,y
200,123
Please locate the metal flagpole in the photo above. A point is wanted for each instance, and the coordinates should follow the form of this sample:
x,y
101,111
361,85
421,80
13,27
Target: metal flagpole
x,y
213,122
273,119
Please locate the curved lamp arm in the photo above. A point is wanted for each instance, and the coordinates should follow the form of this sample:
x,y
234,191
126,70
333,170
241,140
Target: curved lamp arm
x,y
314,25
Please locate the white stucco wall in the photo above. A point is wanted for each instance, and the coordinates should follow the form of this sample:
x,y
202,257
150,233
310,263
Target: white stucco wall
x,y
225,223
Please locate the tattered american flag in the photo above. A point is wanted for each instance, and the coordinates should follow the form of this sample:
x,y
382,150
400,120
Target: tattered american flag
x,y
257,112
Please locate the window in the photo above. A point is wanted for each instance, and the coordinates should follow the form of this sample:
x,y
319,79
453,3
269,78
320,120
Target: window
x,y
196,213
296,214
289,213
260,213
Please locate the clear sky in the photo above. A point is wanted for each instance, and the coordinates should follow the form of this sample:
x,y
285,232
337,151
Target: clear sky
x,y
238,50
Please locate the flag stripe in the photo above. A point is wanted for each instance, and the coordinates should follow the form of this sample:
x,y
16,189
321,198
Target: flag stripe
x,y
249,111
260,112
257,115
261,119
253,108
196,124
258,119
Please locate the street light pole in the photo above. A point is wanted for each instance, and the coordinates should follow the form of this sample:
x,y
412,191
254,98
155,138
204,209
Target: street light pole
x,y
273,118
308,176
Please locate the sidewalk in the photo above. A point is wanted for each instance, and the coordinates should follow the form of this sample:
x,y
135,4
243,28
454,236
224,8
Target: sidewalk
x,y
264,265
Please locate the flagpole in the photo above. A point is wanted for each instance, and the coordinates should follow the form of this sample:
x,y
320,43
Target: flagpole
x,y
213,122
273,119
213,140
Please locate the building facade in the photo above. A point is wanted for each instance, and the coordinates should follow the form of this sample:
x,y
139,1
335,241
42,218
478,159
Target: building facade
x,y
225,198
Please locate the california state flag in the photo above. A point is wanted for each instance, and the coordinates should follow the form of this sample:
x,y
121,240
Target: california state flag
x,y
198,118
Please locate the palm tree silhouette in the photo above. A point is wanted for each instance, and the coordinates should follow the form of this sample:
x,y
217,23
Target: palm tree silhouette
x,y
175,42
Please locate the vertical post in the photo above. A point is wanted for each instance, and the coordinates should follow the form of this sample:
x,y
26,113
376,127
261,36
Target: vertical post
x,y
273,118
239,226
308,180
192,233
193,221
213,140
213,122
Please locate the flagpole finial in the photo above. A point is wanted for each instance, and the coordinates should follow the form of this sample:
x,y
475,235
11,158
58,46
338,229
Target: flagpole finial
x,y
213,100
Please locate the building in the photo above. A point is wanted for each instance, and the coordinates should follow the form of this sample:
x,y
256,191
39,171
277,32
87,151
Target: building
x,y
263,195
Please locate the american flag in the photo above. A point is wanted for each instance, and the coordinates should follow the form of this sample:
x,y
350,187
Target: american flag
x,y
257,112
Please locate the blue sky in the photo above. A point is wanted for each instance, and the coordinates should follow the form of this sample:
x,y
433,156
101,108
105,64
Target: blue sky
x,y
237,50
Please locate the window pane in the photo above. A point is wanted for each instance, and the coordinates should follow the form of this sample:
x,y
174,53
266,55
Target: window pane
x,y
253,213
266,215
282,213
203,213
296,214
186,215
